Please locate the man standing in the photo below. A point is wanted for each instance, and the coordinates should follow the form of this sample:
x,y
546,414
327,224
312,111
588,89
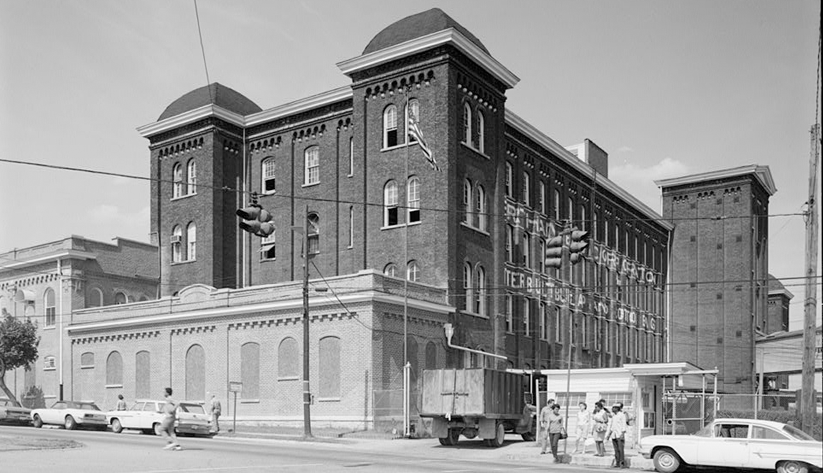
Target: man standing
x,y
215,414
121,403
544,425
617,433
167,425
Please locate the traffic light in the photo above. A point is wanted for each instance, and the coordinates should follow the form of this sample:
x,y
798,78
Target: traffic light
x,y
554,249
256,220
577,248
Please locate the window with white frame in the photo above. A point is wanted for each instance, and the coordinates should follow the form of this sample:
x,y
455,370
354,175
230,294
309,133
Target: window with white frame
x,y
570,210
527,250
584,224
541,256
413,205
51,310
269,182
480,205
467,285
480,290
509,312
509,183
481,132
542,198
509,244
544,332
467,124
390,210
177,181
467,201
558,325
413,112
268,246
527,189
120,298
351,226
412,271
191,242
390,270
191,176
312,156
556,204
49,363
527,317
390,126
177,244
351,157
314,234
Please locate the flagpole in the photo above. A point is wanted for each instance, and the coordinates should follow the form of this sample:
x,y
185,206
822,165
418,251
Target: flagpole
x,y
406,420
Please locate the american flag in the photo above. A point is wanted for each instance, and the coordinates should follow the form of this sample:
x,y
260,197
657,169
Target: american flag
x,y
414,132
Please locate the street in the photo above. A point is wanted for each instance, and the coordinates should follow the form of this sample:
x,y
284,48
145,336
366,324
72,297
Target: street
x,y
105,452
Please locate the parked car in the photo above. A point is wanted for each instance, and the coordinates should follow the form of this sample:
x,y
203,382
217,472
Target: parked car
x,y
70,414
12,412
144,415
193,420
737,443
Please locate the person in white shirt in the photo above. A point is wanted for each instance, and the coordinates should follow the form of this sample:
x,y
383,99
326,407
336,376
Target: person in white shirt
x,y
584,418
617,434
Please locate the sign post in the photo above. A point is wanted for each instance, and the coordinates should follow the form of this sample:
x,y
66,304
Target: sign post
x,y
235,387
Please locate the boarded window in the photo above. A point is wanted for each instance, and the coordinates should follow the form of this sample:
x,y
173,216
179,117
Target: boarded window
x,y
195,374
329,367
250,370
114,369
142,375
431,356
87,360
288,359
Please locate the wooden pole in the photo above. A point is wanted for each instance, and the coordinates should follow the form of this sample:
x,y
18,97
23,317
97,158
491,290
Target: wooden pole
x,y
306,386
808,403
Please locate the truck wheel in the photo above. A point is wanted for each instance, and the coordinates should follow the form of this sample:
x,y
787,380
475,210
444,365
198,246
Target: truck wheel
x,y
500,436
451,439
528,437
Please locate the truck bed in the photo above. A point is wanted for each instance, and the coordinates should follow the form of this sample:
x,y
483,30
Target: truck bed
x,y
473,392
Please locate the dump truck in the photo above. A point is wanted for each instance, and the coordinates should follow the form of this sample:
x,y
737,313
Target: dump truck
x,y
477,402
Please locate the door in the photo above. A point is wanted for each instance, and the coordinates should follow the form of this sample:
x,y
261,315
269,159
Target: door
x,y
766,446
728,446
130,419
55,414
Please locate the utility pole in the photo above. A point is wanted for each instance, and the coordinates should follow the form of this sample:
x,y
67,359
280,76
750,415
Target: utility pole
x,y
808,404
306,387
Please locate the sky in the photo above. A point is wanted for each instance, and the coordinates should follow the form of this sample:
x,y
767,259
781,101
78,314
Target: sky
x,y
667,88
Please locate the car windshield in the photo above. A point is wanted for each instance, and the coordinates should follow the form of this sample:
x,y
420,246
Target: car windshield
x,y
796,433
88,406
193,408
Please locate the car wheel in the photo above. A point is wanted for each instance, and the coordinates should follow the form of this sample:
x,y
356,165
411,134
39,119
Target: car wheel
x,y
116,426
37,422
666,461
157,431
792,467
70,424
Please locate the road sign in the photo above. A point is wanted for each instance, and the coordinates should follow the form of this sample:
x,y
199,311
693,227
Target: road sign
x,y
235,387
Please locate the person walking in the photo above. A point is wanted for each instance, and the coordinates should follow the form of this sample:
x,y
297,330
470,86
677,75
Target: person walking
x,y
167,424
583,428
617,434
544,425
600,424
555,429
121,403
216,410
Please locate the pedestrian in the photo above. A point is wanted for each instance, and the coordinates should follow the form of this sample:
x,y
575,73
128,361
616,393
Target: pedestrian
x,y
600,421
167,424
555,429
544,425
617,434
216,410
583,428
121,403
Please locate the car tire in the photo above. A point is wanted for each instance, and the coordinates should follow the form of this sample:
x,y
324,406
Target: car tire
x,y
70,423
666,461
37,422
157,431
792,466
116,426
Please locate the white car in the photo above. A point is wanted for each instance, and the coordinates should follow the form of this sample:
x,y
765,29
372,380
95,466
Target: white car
x,y
737,443
143,415
70,414
192,419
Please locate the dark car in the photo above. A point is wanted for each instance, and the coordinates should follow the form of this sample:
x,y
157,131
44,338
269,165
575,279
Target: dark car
x,y
12,412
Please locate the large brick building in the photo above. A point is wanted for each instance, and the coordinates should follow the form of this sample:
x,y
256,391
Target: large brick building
x,y
470,238
720,288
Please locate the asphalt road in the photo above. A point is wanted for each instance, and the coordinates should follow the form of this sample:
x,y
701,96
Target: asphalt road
x,y
106,452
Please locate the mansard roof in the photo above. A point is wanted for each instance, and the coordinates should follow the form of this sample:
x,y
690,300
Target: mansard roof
x,y
417,26
215,93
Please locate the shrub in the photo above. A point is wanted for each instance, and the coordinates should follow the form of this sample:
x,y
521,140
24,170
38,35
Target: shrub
x,y
33,399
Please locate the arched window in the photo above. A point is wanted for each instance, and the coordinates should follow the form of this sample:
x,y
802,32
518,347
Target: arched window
x,y
509,244
467,124
390,270
467,285
527,189
413,206
142,375
467,201
312,159
250,370
541,256
431,356
114,369
177,244
191,175
120,298
480,290
390,126
556,204
509,183
95,297
196,373
480,205
481,132
329,374
288,359
390,204
413,113
51,310
542,197
412,271
268,185
314,234
177,181
191,242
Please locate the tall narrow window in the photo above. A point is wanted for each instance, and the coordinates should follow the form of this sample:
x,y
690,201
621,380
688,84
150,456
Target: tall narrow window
x,y
584,223
509,244
541,256
250,370
544,332
467,285
330,368
509,312
412,271
177,244
541,204
467,124
142,375
177,181
314,234
480,290
570,210
269,181
527,250
195,373
268,246
509,183
191,175
527,318
390,204
191,242
557,325
114,369
481,132
556,204
351,156
481,208
413,193
390,126
288,359
51,311
413,113
467,201
351,226
527,189
312,156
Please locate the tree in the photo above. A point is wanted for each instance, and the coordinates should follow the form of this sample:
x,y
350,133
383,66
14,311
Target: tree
x,y
18,347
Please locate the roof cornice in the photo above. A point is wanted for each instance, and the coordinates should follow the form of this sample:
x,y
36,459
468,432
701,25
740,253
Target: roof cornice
x,y
447,36
541,139
56,256
308,103
191,116
762,173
